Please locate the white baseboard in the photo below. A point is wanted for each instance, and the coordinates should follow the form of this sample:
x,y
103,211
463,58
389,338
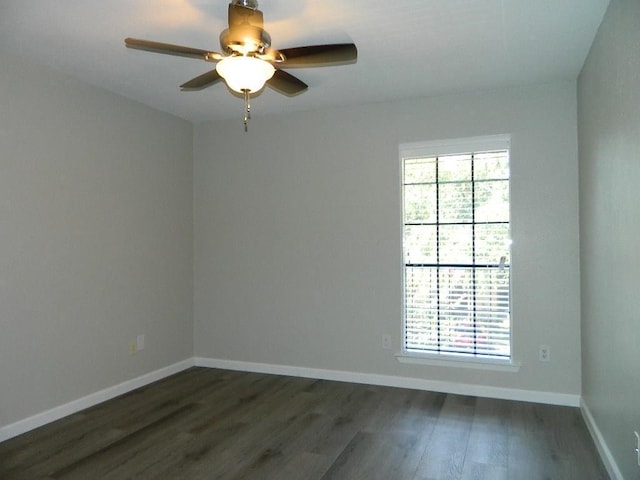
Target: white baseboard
x,y
56,413
393,381
603,449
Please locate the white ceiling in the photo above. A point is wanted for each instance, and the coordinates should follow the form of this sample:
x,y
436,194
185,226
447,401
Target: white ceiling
x,y
406,48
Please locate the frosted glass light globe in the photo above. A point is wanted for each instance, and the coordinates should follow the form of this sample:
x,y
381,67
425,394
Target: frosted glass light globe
x,y
245,73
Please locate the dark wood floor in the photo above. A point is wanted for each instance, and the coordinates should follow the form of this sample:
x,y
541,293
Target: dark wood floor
x,y
217,424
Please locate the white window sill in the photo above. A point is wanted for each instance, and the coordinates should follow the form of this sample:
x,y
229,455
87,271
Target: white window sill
x,y
497,364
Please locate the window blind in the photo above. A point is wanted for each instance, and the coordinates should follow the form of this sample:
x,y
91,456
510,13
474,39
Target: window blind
x,y
456,248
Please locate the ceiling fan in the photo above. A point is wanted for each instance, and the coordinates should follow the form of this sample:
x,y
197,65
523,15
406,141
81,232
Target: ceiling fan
x,y
248,61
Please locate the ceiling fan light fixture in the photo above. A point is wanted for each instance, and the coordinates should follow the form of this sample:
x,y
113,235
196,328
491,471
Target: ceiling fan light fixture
x,y
245,74
247,61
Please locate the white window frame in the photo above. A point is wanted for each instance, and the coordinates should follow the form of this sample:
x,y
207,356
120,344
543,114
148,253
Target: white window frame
x,y
441,148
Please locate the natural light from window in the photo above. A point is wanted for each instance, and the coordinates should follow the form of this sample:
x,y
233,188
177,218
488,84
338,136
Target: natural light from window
x,y
456,250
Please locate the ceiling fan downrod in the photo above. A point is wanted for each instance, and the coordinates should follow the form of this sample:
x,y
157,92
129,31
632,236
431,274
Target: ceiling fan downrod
x,y
252,4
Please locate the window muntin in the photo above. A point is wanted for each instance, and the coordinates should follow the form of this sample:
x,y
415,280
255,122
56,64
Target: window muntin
x,y
456,248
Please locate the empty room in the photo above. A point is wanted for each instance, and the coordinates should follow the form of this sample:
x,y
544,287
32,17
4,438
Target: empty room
x,y
319,240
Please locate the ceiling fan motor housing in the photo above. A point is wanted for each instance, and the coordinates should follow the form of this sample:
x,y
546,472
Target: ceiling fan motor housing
x,y
245,34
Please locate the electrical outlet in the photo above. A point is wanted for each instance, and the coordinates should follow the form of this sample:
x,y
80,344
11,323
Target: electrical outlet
x,y
140,342
637,447
386,342
544,354
132,347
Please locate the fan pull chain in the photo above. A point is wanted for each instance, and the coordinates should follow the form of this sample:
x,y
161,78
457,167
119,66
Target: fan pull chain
x,y
247,109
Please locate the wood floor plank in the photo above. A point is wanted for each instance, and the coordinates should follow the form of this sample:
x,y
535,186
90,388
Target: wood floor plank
x,y
207,424
550,442
487,449
105,425
377,456
445,455
404,410
304,466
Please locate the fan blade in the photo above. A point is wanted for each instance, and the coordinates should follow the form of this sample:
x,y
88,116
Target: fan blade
x,y
203,81
169,49
318,55
239,15
286,83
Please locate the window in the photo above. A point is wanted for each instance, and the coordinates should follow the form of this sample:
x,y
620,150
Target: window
x,y
456,248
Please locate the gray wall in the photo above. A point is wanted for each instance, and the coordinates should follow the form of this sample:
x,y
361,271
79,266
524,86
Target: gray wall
x,y
609,139
298,240
96,213
297,236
